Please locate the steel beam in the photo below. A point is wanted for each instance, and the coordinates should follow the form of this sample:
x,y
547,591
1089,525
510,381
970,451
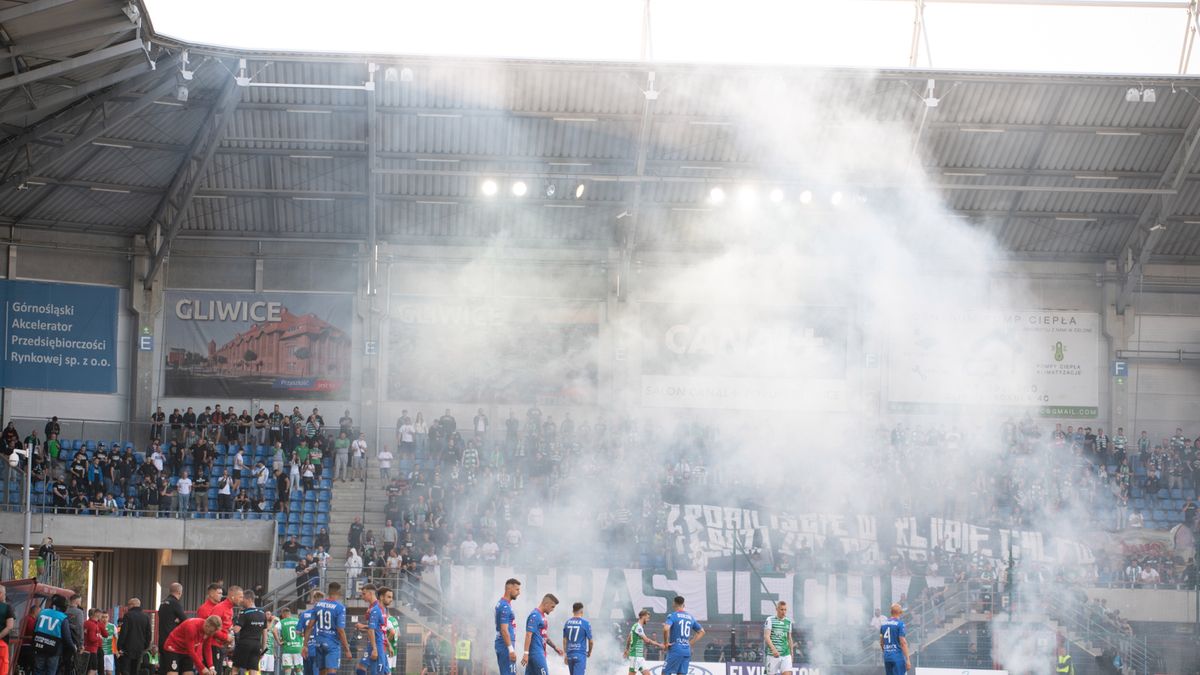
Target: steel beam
x,y
1149,228
168,217
66,66
47,105
372,218
55,39
28,8
90,133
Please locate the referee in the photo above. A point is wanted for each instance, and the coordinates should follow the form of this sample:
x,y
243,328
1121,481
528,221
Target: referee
x,y
250,627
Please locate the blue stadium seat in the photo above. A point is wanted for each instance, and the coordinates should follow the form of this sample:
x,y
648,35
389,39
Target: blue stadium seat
x,y
77,444
281,518
323,507
308,519
307,542
306,531
323,519
91,446
310,507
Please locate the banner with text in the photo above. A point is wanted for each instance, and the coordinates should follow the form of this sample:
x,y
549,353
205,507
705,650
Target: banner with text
x,y
720,597
744,358
1043,359
493,351
705,532
257,345
59,337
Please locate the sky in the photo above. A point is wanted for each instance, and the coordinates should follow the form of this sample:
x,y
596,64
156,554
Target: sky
x,y
1143,37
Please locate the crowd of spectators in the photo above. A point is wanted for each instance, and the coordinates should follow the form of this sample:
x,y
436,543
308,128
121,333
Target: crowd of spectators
x,y
195,463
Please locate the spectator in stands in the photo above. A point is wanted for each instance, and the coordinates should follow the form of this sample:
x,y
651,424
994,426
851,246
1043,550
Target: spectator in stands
x,y
225,487
346,424
341,456
291,549
354,566
358,458
200,490
385,463
183,489
242,504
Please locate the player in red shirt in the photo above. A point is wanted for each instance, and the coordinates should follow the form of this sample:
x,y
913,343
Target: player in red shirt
x,y
190,646
223,609
94,633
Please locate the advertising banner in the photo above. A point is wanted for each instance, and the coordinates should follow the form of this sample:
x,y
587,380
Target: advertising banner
x,y
617,595
1043,359
744,358
705,532
59,337
257,345
493,351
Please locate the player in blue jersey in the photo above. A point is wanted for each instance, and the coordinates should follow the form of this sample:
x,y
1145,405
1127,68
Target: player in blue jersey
x,y
327,627
536,639
308,649
374,660
577,640
506,629
680,632
894,644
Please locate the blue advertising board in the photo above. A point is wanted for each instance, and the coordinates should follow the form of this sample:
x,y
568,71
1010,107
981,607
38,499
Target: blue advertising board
x,y
59,337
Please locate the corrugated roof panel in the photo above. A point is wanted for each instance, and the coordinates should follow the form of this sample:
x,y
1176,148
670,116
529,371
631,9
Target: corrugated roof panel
x,y
120,166
126,213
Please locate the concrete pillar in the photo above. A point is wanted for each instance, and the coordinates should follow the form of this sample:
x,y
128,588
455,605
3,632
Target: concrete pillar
x,y
370,310
1118,330
619,344
146,305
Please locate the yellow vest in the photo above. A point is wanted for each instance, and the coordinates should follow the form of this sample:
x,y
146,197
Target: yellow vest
x,y
462,650
1064,664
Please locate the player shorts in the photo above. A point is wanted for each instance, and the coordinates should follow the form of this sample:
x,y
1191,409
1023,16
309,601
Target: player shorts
x,y
246,655
373,666
110,663
328,656
536,667
893,666
95,661
677,664
506,665
267,663
392,662
170,662
293,661
576,663
637,664
779,664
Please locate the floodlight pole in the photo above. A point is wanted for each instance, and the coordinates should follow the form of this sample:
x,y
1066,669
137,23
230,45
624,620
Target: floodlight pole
x,y
28,507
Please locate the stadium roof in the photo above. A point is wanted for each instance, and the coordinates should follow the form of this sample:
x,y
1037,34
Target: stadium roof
x,y
96,138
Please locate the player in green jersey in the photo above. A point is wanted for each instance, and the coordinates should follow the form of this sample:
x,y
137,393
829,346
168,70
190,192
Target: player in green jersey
x,y
266,662
777,633
635,646
293,643
393,638
106,646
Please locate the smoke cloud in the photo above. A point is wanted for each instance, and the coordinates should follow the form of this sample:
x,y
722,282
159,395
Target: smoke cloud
x,y
758,363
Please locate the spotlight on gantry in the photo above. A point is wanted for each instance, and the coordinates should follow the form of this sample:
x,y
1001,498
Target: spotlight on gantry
x,y
550,190
836,198
579,189
489,188
747,196
806,197
716,195
519,188
776,196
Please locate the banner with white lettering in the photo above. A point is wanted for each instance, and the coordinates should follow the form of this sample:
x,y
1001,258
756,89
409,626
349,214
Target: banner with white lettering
x,y
615,596
257,345
493,351
59,337
743,358
1043,359
705,533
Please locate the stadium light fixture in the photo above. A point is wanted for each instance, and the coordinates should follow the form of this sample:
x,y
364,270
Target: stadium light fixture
x,y
776,196
716,195
519,188
1133,95
806,197
1148,96
391,74
836,198
489,188
579,190
181,93
550,190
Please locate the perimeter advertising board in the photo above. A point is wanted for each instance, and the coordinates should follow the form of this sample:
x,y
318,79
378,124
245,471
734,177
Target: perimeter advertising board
x,y
59,337
257,345
743,358
1045,360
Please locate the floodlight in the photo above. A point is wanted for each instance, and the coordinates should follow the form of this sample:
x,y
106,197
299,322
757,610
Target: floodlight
x,y
1133,95
716,195
806,197
747,195
406,75
391,75
181,93
1148,96
776,195
550,190
519,188
835,198
579,189
489,187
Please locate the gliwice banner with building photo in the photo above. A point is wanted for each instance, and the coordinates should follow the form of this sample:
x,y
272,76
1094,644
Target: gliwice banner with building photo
x,y
493,351
744,358
257,345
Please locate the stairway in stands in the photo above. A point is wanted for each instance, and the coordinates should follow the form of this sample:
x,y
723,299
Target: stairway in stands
x,y
354,499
